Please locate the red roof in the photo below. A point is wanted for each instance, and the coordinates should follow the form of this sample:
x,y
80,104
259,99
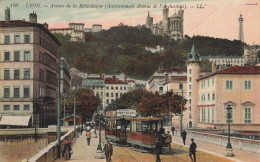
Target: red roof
x,y
180,78
236,70
114,81
131,80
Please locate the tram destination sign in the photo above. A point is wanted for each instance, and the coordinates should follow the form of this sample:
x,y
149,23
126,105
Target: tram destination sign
x,y
126,113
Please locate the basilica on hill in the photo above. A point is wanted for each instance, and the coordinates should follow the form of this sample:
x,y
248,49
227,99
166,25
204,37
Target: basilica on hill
x,y
171,26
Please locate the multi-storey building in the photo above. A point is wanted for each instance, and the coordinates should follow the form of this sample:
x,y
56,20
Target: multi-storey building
x,y
97,84
96,28
75,30
237,86
28,72
65,76
114,89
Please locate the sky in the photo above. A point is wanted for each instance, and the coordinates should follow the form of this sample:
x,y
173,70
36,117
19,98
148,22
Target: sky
x,y
214,18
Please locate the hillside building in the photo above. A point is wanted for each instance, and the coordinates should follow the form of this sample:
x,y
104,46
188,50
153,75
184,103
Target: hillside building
x,y
28,73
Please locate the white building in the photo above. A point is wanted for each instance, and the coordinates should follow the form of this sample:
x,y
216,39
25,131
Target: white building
x,y
96,28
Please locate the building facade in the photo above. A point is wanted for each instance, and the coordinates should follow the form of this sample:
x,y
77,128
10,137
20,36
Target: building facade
x,y
28,71
237,86
96,28
65,76
169,25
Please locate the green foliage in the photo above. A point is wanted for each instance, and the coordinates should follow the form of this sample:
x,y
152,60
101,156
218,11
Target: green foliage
x,y
205,64
122,49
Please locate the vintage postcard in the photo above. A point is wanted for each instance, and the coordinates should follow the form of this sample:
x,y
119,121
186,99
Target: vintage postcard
x,y
124,81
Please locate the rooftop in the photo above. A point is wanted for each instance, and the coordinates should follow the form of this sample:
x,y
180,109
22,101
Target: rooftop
x,y
236,70
114,81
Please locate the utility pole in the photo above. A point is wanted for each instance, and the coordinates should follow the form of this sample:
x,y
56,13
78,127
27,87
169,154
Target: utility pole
x,y
75,112
64,110
181,108
58,107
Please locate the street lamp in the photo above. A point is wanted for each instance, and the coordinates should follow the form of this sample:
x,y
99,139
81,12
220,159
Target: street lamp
x,y
64,109
74,88
229,149
181,109
94,119
99,154
58,105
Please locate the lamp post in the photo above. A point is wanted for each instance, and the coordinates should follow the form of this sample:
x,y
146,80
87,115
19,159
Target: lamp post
x,y
99,154
181,109
74,112
94,119
58,105
64,109
229,150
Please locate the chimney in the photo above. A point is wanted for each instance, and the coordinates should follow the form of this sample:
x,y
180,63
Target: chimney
x,y
33,17
213,67
166,78
7,14
45,25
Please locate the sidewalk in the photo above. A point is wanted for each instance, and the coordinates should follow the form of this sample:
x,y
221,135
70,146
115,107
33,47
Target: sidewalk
x,y
82,152
240,155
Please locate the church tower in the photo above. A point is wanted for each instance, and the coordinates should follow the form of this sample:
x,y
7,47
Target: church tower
x,y
193,73
149,21
165,19
241,32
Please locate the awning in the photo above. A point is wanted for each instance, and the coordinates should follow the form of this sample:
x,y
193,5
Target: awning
x,y
15,120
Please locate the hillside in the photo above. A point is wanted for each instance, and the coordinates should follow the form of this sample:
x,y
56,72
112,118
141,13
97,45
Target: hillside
x,y
122,49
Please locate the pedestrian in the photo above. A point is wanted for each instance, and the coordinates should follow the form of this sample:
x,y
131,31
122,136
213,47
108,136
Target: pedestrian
x,y
183,135
168,140
193,147
172,129
81,129
66,145
88,134
108,148
158,150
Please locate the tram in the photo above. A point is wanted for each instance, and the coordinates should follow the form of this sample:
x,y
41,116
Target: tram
x,y
140,132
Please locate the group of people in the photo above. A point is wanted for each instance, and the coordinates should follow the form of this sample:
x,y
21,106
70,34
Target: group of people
x,y
168,140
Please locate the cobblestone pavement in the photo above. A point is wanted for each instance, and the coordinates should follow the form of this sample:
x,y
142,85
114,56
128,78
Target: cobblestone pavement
x,y
240,155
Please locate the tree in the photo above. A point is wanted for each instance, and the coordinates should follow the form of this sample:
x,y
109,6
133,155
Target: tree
x,y
173,102
86,102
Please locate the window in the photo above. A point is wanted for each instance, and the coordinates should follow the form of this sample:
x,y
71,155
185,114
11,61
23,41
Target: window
x,y
16,107
116,88
247,115
213,96
107,94
190,94
16,56
189,101
121,88
180,86
17,39
208,115
247,85
101,94
112,87
160,89
26,73
6,107
190,79
26,107
189,116
107,101
6,92
26,56
189,86
124,88
112,94
26,92
6,74
213,115
190,108
7,56
116,95
229,84
41,77
16,92
16,74
208,96
229,114
213,82
190,71
208,83
26,38
7,39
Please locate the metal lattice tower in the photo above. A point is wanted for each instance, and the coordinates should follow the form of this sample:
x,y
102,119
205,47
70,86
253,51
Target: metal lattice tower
x,y
241,33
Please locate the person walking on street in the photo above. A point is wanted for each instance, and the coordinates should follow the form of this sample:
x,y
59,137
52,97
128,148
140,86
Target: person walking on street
x,y
158,150
88,134
168,140
193,147
66,145
108,148
172,129
183,135
81,129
